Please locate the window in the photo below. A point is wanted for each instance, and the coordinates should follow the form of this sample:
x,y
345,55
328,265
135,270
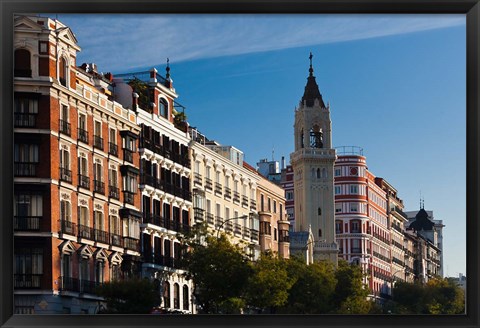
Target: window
x,y
129,145
28,211
115,274
26,110
99,224
274,233
83,215
83,178
99,271
113,183
99,185
82,128
274,206
269,205
84,269
62,71
316,137
355,226
65,211
338,208
353,207
28,268
319,232
176,296
338,227
98,140
65,173
64,120
26,159
338,172
166,294
66,266
353,189
281,211
186,298
338,190
163,107
289,195
114,225
22,63
262,202
112,142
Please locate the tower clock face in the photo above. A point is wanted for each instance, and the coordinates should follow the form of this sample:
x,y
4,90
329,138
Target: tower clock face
x,y
353,171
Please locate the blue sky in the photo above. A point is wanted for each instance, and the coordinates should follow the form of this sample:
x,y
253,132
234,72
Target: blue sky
x,y
395,83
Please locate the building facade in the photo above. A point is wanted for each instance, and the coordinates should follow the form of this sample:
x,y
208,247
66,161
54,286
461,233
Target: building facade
x,y
76,213
434,233
165,183
274,224
224,192
312,163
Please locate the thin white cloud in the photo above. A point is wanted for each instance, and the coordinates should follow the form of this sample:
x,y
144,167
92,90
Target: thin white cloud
x,y
123,42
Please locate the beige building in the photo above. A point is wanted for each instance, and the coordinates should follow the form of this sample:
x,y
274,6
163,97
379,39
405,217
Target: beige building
x,y
224,192
274,224
313,161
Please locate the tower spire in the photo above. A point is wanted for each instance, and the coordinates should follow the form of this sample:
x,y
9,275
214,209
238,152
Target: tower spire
x,y
311,89
311,66
167,76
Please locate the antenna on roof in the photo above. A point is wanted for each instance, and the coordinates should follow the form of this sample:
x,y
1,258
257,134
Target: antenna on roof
x,y
273,153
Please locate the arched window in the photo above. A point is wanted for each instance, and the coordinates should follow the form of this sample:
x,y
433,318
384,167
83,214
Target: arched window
x,y
22,63
166,294
302,144
176,296
318,173
186,298
319,232
62,71
324,172
163,107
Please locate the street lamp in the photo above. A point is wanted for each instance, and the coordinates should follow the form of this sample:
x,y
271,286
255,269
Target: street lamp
x,y
392,280
244,217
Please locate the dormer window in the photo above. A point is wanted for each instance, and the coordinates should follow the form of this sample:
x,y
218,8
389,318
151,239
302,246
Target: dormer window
x,y
62,71
22,63
163,107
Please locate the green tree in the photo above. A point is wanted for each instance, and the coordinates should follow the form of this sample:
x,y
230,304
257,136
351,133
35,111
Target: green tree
x,y
141,88
220,272
132,296
313,287
269,284
437,296
350,292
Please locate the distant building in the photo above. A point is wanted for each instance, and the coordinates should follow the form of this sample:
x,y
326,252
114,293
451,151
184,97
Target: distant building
x,y
271,170
224,192
460,281
424,223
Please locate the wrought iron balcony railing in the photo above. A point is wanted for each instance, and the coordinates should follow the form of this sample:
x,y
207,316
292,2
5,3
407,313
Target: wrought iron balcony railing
x,y
65,175
25,120
65,127
26,223
98,142
83,135
84,181
25,169
112,149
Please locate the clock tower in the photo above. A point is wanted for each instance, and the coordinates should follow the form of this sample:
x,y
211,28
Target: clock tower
x,y
313,167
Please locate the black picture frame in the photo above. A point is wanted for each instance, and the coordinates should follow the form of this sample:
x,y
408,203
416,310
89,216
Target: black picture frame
x,y
8,7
